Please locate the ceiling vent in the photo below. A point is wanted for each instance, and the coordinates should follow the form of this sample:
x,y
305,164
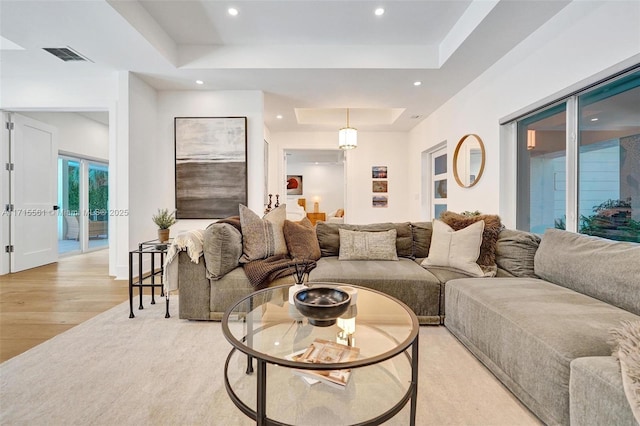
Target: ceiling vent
x,y
66,54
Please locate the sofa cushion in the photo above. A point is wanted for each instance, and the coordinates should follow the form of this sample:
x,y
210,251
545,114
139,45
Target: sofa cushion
x,y
596,395
405,280
404,238
492,228
329,236
264,237
222,248
457,250
421,234
301,239
527,331
604,269
515,251
357,245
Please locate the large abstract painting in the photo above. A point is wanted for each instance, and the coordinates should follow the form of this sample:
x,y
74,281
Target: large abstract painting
x,y
211,166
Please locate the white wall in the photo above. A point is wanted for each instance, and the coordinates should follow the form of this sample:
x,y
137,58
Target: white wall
x,y
246,103
323,181
90,94
374,149
77,134
584,39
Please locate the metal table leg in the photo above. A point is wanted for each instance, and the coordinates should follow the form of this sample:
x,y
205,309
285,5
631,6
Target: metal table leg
x,y
140,279
131,285
153,278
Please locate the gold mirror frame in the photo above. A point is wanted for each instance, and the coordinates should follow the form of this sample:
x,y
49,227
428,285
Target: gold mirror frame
x,y
455,160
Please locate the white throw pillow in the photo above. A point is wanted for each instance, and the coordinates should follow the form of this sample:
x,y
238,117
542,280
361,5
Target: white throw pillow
x,y
456,249
359,245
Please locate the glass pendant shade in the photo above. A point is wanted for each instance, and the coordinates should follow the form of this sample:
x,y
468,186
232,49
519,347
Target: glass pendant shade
x,y
347,136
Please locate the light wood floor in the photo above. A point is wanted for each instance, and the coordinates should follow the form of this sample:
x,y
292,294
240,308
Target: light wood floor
x,y
39,303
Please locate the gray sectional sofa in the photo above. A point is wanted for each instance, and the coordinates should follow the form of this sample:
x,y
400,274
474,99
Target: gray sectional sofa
x,y
202,298
541,325
547,338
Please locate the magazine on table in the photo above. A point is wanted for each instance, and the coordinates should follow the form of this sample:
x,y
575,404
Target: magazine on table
x,y
325,352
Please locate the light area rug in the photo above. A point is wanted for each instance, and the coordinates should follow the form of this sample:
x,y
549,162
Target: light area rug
x,y
113,370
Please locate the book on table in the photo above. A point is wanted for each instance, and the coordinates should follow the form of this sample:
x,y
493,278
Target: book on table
x,y
325,352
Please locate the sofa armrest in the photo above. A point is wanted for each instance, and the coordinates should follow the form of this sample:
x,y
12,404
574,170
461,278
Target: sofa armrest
x,y
194,289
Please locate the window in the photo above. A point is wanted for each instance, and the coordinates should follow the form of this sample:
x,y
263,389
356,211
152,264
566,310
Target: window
x,y
439,179
578,164
609,160
542,158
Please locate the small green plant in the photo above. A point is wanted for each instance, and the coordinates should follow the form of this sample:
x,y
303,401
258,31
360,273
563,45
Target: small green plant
x,y
164,219
468,213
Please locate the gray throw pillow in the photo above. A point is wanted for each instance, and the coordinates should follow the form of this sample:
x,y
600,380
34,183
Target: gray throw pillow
x,y
356,245
222,248
404,240
262,237
329,237
421,232
515,251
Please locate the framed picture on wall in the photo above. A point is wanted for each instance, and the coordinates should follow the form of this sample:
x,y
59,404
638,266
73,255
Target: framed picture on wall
x,y
294,185
210,167
379,172
379,185
380,201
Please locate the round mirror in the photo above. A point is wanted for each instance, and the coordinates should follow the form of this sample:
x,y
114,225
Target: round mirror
x,y
468,160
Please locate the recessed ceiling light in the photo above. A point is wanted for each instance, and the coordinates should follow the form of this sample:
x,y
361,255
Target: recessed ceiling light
x,y
199,82
417,83
279,117
594,119
379,11
232,11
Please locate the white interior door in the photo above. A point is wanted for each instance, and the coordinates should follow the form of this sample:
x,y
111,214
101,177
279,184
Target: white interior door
x,y
34,154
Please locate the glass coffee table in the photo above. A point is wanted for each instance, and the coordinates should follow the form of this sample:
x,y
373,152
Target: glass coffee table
x,y
266,382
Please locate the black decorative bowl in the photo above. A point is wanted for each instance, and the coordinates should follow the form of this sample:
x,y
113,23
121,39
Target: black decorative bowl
x,y
322,305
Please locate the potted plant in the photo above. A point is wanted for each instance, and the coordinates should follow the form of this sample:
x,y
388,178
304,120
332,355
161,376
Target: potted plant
x,y
163,219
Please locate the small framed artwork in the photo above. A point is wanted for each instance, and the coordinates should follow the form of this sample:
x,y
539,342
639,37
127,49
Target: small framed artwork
x,y
379,185
294,185
380,201
379,172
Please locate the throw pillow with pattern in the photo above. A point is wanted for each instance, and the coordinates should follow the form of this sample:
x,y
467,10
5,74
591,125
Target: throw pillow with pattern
x,y
262,237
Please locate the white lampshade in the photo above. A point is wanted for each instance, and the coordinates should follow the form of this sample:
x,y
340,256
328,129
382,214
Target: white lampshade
x,y
347,138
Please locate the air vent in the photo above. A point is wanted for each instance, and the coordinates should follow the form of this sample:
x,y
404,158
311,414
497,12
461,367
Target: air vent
x,y
66,54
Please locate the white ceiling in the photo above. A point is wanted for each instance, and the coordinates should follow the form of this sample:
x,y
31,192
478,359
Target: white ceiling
x,y
311,58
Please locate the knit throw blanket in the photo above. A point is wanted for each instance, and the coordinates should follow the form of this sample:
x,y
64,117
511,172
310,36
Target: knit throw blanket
x,y
189,241
627,349
263,271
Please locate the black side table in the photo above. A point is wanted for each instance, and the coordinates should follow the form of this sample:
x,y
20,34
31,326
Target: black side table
x,y
151,248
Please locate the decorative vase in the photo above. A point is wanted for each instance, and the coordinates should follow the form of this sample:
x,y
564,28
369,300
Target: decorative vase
x,y
294,289
163,235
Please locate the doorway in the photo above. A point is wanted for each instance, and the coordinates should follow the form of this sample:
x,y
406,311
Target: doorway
x,y
320,178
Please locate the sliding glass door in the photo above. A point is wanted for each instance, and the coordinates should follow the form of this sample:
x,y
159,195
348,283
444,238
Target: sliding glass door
x,y
82,197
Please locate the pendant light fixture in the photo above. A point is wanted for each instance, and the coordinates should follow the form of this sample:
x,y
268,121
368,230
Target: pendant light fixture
x,y
347,136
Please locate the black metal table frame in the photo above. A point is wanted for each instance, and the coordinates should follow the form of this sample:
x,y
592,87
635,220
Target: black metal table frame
x,y
151,248
259,415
